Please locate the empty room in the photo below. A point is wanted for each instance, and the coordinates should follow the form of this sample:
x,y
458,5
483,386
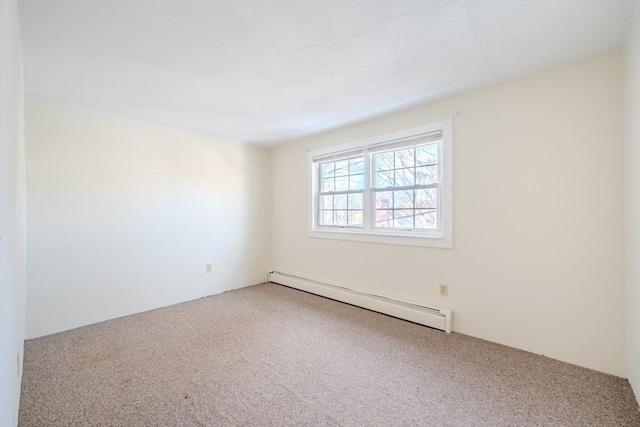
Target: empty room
x,y
319,213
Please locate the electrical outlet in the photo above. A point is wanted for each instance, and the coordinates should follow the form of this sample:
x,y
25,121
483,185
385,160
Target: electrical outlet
x,y
18,364
209,268
444,290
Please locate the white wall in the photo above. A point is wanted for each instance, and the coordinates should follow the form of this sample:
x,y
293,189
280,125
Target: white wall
x,y
632,196
12,214
124,216
538,254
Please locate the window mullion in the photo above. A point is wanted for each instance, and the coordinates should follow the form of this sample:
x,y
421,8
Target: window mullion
x,y
335,193
414,208
409,187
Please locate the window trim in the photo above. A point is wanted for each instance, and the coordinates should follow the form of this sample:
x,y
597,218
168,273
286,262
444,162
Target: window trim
x,y
441,239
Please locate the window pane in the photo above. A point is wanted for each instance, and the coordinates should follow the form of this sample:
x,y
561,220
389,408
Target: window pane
x,y
340,201
326,169
356,182
426,219
342,168
384,179
384,199
403,199
326,202
427,198
326,218
384,209
384,161
403,218
341,217
404,177
342,183
355,217
427,154
384,218
356,166
327,185
405,158
355,201
426,175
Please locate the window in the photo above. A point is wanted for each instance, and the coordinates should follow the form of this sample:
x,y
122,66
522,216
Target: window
x,y
396,188
341,192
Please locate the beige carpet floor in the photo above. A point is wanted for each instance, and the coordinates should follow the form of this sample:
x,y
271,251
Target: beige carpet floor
x,y
268,355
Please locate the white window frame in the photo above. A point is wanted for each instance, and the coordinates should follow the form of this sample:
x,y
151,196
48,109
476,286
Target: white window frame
x,y
441,238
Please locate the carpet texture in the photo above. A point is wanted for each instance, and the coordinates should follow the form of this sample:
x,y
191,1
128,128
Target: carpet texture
x,y
268,355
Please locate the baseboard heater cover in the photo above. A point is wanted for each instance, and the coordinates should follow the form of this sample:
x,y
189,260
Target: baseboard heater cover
x,y
434,317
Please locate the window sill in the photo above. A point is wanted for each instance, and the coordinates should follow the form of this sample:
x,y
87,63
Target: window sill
x,y
386,238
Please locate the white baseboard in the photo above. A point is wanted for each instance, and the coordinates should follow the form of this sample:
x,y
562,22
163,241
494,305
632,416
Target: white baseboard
x,y
434,317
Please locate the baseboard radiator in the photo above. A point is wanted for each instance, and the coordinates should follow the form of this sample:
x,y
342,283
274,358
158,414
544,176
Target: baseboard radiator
x,y
434,317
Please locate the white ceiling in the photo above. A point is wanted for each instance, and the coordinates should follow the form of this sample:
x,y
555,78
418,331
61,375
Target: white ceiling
x,y
263,71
